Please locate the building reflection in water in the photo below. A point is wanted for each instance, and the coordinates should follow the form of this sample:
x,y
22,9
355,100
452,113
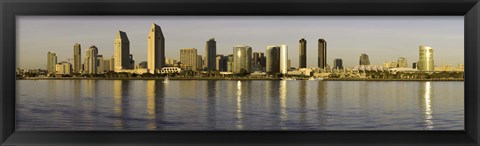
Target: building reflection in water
x,y
283,103
155,103
211,103
120,102
302,101
426,104
239,116
322,103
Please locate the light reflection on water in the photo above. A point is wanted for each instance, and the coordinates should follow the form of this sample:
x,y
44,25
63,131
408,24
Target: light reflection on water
x,y
238,105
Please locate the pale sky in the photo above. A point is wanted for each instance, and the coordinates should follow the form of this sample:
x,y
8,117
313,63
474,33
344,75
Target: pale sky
x,y
383,38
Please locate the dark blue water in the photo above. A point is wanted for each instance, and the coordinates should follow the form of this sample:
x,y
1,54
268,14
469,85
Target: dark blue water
x,y
239,105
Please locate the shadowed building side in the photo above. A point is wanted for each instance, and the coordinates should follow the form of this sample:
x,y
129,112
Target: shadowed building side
x,y
302,62
210,55
322,53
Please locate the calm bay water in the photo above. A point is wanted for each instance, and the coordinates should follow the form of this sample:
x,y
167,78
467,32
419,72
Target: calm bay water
x,y
239,105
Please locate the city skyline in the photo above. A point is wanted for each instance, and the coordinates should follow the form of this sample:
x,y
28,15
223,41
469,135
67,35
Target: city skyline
x,y
442,48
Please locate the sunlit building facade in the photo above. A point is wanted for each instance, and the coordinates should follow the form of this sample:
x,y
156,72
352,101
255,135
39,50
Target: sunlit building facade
x,y
51,62
402,62
425,62
284,59
188,58
91,60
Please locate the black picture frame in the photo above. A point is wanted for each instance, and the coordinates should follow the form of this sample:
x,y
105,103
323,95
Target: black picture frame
x,y
9,9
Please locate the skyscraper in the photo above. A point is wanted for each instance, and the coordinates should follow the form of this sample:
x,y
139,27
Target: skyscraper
x,y
156,48
121,51
302,49
112,63
210,54
199,62
91,60
322,53
425,62
221,62
230,63
283,59
402,62
338,63
77,58
188,58
272,60
51,62
242,58
364,59
100,64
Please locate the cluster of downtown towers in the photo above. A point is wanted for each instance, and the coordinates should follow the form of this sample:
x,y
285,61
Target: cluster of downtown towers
x,y
275,59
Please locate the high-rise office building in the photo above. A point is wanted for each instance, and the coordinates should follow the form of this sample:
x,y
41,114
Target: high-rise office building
x,y
121,51
211,54
200,62
112,63
402,62
188,58
272,60
283,59
77,58
91,60
106,63
425,62
322,53
364,59
338,63
156,49
221,62
51,62
242,58
100,64
302,50
230,63
258,61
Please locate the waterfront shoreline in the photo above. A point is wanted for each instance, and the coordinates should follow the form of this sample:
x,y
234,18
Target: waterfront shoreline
x,y
266,79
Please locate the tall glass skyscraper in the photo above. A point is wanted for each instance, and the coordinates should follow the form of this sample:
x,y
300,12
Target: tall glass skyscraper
x,y
211,54
273,59
283,59
425,62
242,58
302,49
364,60
322,53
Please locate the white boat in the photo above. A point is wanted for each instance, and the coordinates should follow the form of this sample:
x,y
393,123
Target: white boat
x,y
166,80
313,78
